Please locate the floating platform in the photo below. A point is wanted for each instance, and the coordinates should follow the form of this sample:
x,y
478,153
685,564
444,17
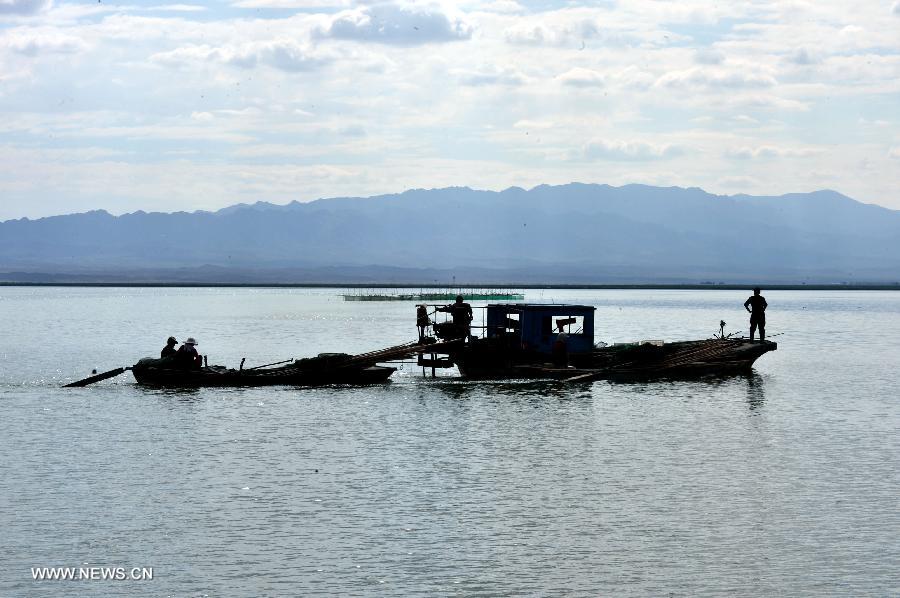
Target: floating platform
x,y
439,296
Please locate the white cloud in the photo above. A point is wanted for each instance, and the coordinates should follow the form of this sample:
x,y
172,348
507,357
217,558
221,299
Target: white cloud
x,y
629,150
581,77
803,56
403,25
302,4
738,182
895,9
538,34
24,7
285,55
501,6
708,56
35,41
769,151
178,8
707,78
534,124
490,75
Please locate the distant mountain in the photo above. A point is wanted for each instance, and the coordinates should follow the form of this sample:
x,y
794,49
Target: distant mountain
x,y
572,233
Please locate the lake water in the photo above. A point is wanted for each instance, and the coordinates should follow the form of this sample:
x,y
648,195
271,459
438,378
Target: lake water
x,y
785,482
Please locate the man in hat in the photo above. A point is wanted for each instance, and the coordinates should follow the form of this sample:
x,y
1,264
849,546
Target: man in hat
x,y
169,349
187,355
560,349
757,305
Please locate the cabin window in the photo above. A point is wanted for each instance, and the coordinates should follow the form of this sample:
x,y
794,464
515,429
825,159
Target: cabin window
x,y
571,324
512,323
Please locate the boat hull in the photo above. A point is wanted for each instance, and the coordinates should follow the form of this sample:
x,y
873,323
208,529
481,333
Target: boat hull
x,y
152,375
689,359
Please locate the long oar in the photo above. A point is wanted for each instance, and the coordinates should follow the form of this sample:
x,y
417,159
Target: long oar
x,y
97,377
265,365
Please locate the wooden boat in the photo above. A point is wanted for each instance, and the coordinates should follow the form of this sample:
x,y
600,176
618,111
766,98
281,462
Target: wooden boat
x,y
518,342
322,370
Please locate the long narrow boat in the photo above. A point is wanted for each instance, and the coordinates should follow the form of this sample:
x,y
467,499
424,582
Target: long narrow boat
x,y
316,371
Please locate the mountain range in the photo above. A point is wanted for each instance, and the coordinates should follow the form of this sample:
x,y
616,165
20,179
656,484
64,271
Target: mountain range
x,y
575,233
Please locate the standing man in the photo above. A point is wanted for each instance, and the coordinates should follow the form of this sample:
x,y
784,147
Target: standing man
x,y
461,312
756,305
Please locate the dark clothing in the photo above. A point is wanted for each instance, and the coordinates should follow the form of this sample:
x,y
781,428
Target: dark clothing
x,y
168,351
756,303
560,350
188,358
422,320
461,312
462,317
757,306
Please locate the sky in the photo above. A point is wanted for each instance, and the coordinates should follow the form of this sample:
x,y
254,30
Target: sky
x,y
166,107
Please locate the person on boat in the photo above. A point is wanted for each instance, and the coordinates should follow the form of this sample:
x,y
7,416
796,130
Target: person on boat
x,y
169,349
422,320
462,316
756,305
561,346
187,355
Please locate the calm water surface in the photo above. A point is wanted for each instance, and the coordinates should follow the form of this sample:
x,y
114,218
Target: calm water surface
x,y
784,482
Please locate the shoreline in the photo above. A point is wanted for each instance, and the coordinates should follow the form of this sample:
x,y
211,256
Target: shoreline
x,y
463,288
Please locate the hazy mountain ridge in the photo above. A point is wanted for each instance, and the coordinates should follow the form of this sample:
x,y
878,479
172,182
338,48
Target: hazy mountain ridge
x,y
569,232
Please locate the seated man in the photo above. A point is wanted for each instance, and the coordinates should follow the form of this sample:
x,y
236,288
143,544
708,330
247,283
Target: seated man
x,y
187,356
169,349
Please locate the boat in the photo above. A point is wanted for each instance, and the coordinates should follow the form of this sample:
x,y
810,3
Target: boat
x,y
517,341
327,368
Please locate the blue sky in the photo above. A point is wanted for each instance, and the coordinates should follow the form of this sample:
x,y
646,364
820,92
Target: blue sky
x,y
166,107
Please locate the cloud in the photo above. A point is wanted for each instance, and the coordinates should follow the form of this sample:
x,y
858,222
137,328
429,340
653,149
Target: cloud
x,y
284,55
34,41
538,33
178,8
490,76
24,7
738,182
894,153
768,152
581,77
767,102
534,124
803,56
708,56
280,4
629,150
402,25
502,7
895,9
698,77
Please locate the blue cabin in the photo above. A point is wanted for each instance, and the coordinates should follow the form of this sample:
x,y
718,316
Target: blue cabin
x,y
535,325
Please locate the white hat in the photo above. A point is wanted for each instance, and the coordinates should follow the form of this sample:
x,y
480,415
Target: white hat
x,y
191,341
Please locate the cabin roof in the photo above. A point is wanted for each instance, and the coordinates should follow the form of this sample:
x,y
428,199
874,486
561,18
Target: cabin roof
x,y
544,306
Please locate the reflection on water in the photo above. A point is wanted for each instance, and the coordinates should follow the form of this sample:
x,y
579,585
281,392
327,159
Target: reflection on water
x,y
528,389
756,391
